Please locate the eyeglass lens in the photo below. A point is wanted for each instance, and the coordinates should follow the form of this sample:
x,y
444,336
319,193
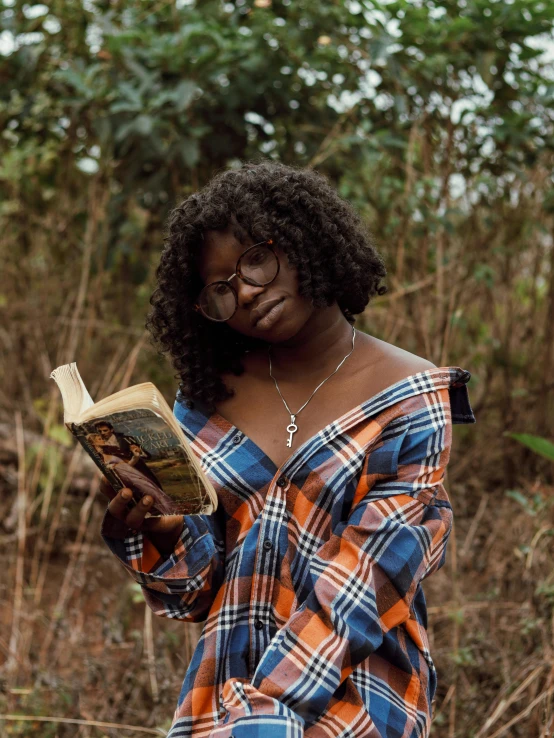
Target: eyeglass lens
x,y
257,266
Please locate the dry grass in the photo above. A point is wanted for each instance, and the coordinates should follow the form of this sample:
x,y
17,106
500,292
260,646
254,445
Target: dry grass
x,y
76,639
80,645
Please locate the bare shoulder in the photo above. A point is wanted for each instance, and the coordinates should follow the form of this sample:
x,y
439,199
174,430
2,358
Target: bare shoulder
x,y
374,366
388,363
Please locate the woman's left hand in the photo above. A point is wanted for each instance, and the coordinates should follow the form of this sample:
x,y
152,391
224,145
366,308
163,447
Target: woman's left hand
x,y
163,531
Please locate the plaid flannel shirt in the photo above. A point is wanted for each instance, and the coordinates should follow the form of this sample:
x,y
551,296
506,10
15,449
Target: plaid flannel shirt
x,y
309,575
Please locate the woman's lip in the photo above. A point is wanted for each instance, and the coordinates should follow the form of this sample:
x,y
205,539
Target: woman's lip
x,y
262,310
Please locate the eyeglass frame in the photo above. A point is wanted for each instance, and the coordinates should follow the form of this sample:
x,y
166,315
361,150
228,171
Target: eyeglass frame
x,y
269,243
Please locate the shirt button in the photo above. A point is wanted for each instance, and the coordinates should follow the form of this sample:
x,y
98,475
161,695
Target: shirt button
x,y
237,438
259,624
281,482
268,545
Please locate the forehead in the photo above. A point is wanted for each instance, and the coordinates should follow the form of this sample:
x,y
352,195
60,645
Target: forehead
x,y
221,249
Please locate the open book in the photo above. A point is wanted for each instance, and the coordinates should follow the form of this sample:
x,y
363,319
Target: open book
x,y
137,442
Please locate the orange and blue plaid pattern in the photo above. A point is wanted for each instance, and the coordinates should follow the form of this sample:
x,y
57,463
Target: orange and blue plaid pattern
x,y
309,575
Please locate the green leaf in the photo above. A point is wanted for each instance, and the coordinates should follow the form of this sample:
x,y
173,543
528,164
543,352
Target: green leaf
x,y
147,78
516,495
184,94
537,444
129,93
75,80
144,125
125,107
141,125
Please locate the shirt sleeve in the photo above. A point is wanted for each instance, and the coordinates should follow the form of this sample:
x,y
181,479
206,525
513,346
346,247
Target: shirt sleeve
x,y
364,578
183,585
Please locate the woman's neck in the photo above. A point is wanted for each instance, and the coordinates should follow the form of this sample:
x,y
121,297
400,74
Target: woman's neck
x,y
322,342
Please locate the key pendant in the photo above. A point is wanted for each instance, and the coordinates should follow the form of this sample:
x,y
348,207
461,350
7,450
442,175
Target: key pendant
x,y
291,430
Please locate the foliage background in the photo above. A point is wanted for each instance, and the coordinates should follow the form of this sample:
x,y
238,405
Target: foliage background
x,y
436,121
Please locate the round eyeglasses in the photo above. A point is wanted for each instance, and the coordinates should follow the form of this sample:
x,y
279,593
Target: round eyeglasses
x,y
258,266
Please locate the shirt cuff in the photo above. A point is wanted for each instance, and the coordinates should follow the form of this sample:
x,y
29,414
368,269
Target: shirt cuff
x,y
193,552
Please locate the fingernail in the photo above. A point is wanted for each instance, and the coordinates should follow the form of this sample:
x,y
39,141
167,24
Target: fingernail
x,y
146,501
126,494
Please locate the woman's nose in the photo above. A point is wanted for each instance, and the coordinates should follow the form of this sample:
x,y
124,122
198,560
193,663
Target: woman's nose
x,y
247,293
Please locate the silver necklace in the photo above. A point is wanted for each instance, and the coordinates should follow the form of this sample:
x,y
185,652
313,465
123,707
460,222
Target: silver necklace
x,y
292,427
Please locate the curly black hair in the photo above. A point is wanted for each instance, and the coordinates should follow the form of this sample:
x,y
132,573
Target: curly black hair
x,y
321,234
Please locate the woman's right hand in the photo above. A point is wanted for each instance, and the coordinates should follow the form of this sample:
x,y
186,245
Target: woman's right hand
x,y
163,531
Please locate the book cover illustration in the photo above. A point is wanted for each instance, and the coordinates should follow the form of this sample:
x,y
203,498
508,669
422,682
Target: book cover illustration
x,y
137,449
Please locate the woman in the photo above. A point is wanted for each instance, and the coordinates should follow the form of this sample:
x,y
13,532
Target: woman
x,y
132,477
327,447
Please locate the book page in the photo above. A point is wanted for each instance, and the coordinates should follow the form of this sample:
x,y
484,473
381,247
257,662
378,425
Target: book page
x,y
146,455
